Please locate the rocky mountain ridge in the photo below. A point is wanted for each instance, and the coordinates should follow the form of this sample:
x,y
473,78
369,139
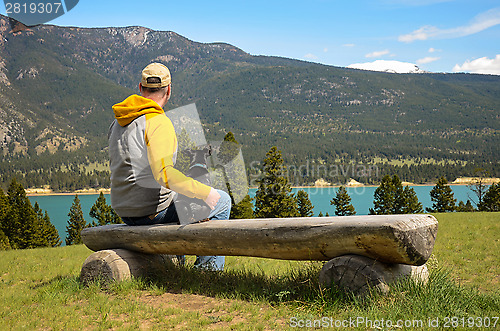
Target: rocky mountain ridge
x,y
57,86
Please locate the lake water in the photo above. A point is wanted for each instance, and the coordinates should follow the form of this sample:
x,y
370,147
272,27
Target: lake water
x,y
58,206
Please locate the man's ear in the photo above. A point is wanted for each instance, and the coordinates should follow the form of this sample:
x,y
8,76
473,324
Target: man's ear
x,y
169,91
140,87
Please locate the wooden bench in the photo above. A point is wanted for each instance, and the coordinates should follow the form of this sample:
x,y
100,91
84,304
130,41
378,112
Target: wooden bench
x,y
361,251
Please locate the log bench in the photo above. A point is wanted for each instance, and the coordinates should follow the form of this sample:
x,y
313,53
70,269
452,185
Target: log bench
x,y
361,251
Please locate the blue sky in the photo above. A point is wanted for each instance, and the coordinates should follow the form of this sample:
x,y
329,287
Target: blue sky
x,y
437,35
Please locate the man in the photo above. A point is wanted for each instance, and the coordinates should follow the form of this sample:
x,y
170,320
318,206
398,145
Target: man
x,y
143,149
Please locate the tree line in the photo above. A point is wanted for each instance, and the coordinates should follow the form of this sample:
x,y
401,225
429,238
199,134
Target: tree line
x,y
21,224
274,198
25,226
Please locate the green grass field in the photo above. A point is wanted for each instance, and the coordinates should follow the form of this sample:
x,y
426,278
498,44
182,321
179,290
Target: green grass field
x,y
468,244
39,290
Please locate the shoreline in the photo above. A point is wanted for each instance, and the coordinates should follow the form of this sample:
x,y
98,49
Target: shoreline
x,y
461,181
47,192
371,185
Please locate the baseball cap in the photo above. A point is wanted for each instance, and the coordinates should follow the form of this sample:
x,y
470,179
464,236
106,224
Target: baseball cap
x,y
158,71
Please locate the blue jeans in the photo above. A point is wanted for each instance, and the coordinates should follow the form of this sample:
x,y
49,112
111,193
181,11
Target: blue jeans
x,y
169,216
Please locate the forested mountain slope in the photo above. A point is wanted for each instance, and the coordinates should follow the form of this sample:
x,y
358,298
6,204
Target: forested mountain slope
x,y
57,86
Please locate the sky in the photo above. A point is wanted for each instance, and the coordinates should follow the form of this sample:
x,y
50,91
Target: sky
x,y
436,35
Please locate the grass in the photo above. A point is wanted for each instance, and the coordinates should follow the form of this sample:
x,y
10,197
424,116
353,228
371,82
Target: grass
x,y
468,244
39,289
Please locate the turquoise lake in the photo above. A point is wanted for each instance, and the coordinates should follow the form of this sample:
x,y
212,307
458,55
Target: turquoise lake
x,y
58,206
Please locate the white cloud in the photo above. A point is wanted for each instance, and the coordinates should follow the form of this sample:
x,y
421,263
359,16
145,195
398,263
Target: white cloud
x,y
482,65
481,22
348,45
427,59
310,56
421,34
433,50
378,53
325,50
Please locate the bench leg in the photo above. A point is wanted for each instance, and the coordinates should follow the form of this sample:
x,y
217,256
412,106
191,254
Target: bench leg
x,y
357,274
120,264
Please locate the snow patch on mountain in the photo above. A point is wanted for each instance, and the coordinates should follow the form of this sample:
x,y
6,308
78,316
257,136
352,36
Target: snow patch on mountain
x,y
388,66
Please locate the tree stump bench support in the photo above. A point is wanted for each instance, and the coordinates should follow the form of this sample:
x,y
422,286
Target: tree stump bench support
x,y
362,251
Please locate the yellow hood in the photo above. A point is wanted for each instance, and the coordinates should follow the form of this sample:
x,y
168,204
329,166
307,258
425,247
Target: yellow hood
x,y
133,107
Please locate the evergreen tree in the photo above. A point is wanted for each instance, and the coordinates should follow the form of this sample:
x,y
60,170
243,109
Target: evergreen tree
x,y
442,197
410,204
49,232
229,148
320,214
273,198
4,242
467,207
21,226
305,207
342,203
491,201
103,212
392,198
4,213
76,223
243,209
399,196
384,197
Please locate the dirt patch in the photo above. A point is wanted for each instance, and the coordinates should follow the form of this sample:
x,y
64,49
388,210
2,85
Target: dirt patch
x,y
219,313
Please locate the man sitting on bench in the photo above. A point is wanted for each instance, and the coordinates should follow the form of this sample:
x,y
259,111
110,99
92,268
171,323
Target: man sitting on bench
x,y
142,149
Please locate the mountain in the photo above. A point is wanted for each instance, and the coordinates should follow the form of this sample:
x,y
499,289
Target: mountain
x,y
57,86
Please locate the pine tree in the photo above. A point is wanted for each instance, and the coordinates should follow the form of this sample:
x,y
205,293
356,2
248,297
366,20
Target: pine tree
x,y
4,213
103,212
410,204
50,232
320,214
342,203
465,207
384,197
76,223
273,198
4,242
50,236
21,227
243,209
442,197
399,196
392,198
229,148
491,201
305,207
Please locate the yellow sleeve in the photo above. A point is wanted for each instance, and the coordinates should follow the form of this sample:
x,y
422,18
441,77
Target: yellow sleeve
x,y
161,143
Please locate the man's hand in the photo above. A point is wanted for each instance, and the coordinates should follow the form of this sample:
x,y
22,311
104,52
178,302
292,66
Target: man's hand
x,y
213,198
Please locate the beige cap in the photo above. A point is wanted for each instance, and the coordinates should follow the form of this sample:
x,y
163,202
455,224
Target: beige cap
x,y
157,70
